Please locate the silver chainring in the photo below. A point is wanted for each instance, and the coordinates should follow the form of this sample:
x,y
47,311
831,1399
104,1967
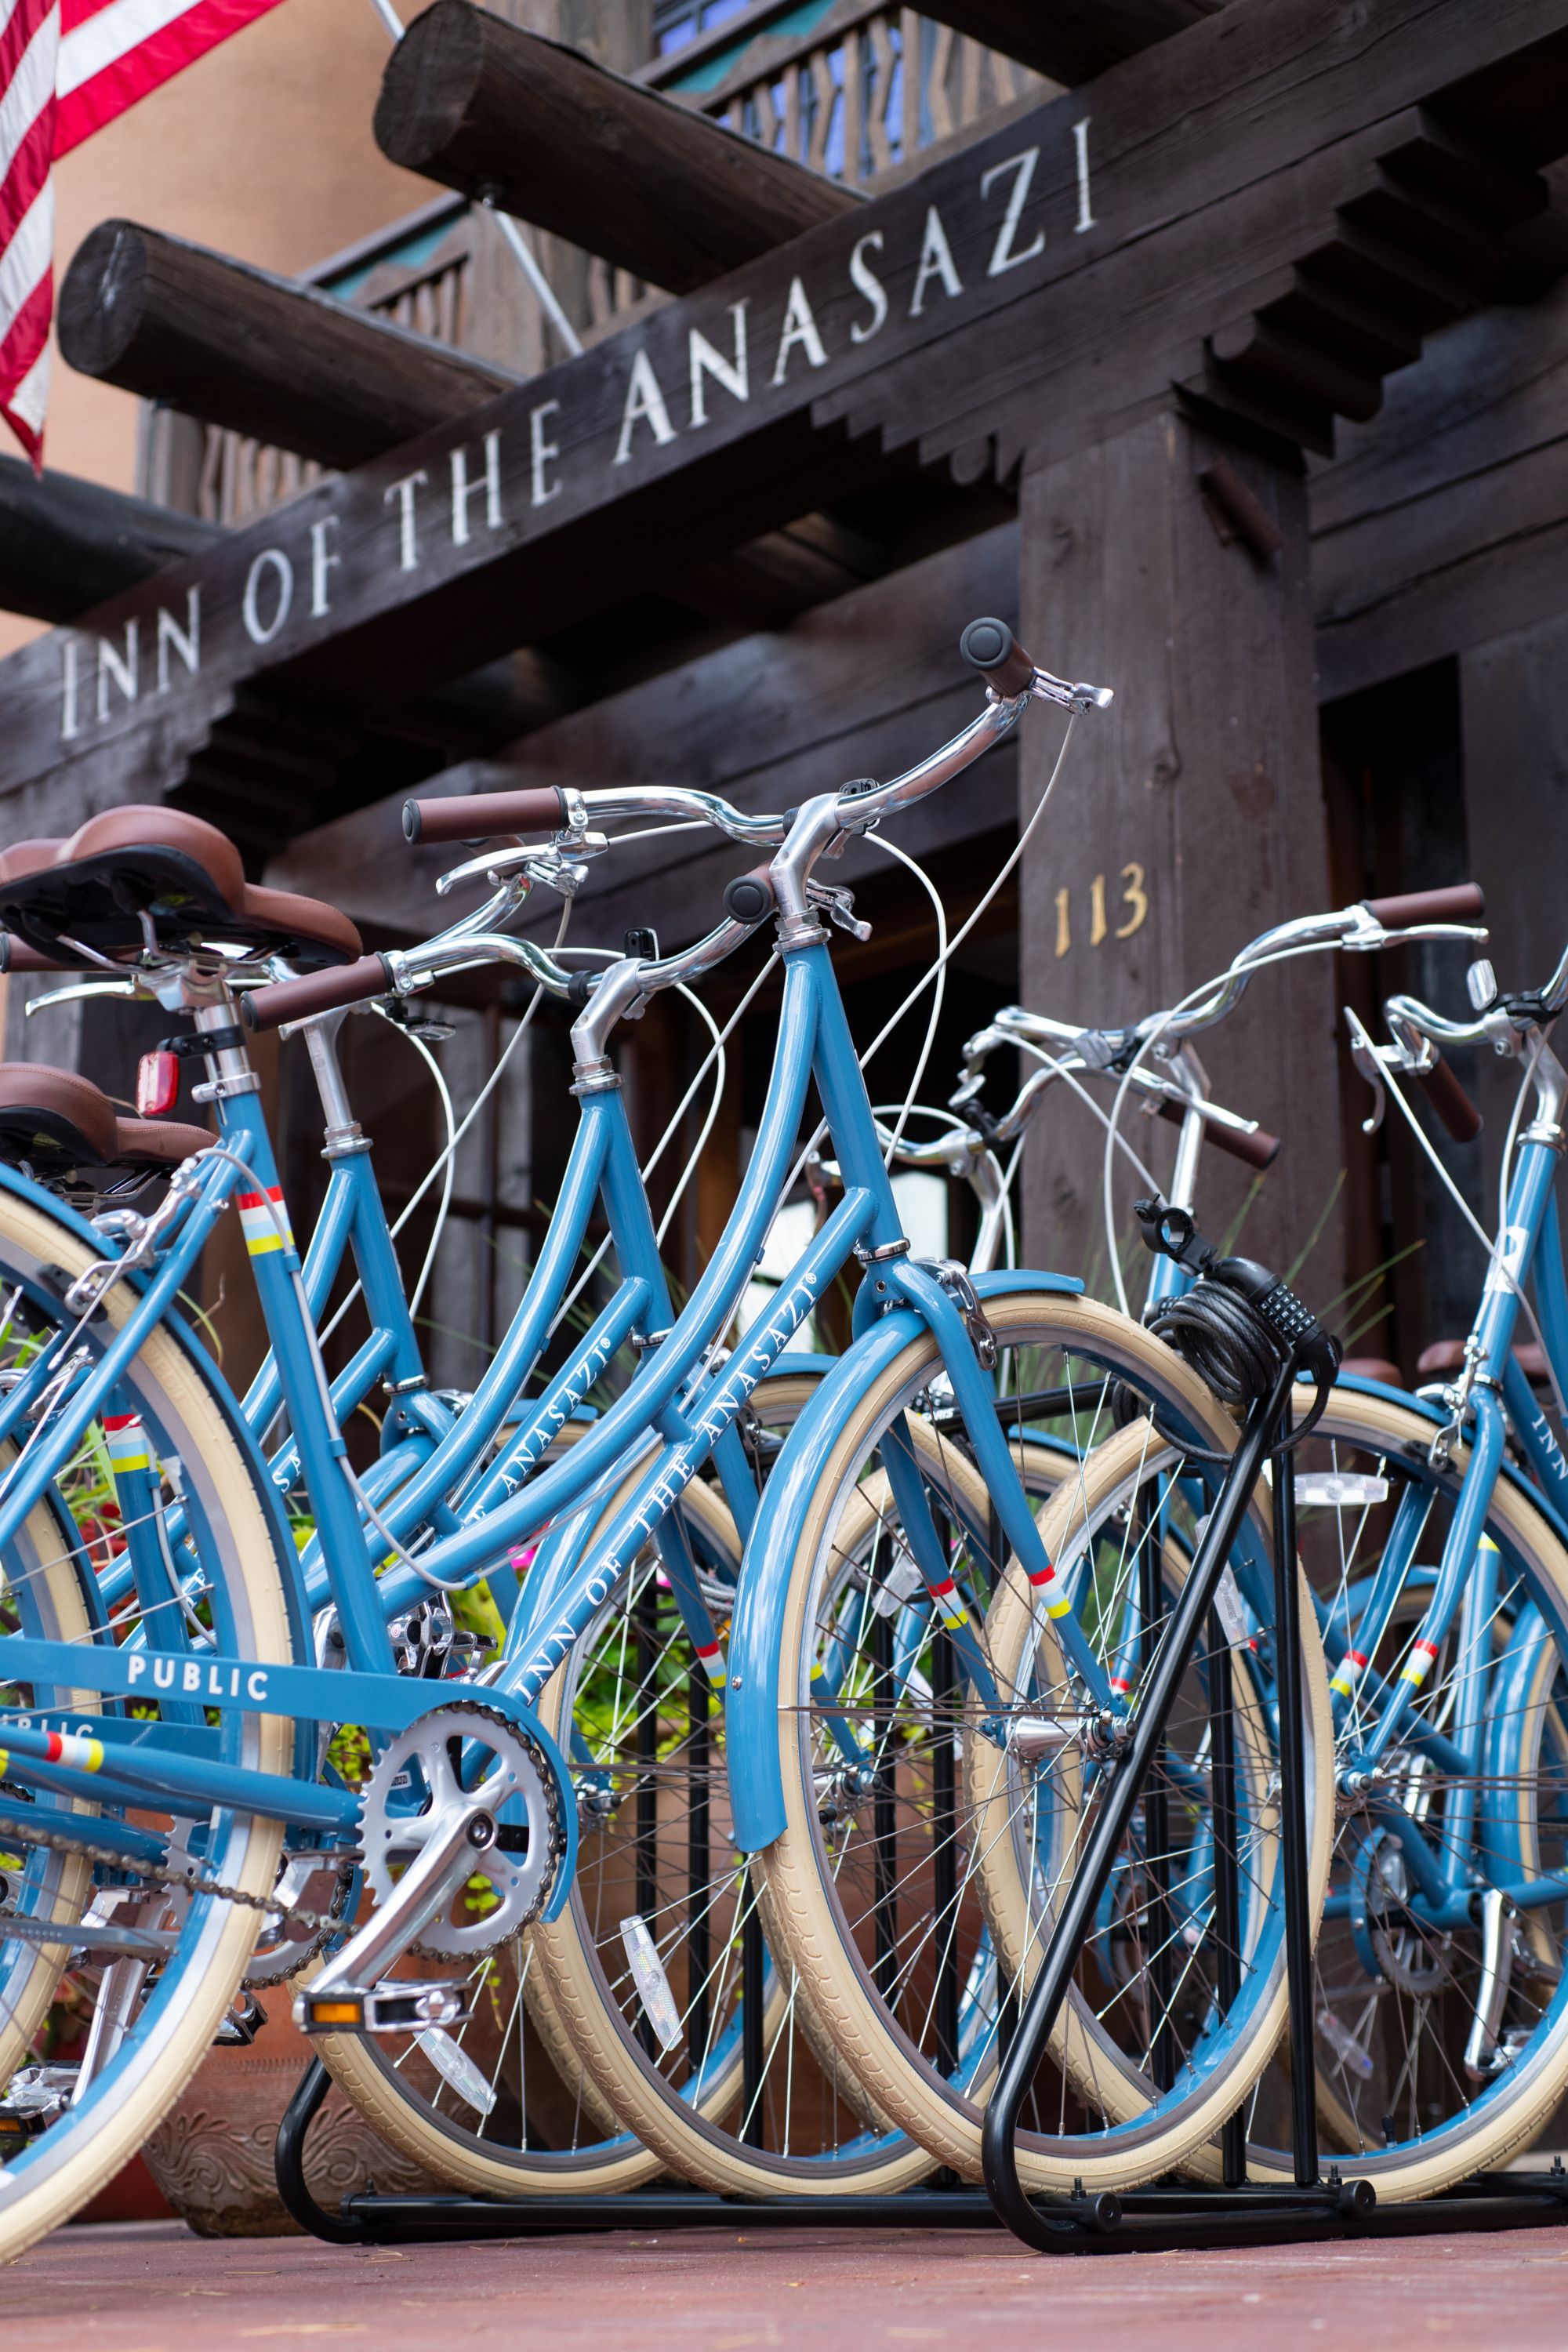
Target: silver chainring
x,y
412,1790
316,1888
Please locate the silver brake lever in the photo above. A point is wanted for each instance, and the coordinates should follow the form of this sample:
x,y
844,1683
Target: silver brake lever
x,y
1367,1060
1079,698
832,899
1367,933
77,990
559,863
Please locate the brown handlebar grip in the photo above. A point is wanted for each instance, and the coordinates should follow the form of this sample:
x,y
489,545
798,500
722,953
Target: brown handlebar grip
x,y
318,991
1260,1150
482,816
1449,1101
1465,902
990,647
16,955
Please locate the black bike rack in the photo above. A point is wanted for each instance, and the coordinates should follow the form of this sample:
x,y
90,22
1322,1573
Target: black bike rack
x,y
1315,2205
1149,2219
1168,2215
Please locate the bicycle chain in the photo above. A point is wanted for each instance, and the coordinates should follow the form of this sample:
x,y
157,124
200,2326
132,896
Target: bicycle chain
x,y
315,1923
165,1875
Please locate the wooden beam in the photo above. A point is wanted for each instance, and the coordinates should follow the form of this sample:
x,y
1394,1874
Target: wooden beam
x,y
853,689
654,188
947,310
239,347
67,545
1070,40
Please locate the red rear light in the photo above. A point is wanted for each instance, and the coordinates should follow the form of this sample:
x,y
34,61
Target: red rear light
x,y
157,1083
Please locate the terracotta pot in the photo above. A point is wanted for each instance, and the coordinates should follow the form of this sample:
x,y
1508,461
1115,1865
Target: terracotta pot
x,y
132,2196
212,2154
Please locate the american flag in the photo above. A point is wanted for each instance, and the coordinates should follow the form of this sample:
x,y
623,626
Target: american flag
x,y
67,68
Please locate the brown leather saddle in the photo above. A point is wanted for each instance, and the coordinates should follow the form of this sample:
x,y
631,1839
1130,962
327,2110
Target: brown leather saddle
x,y
66,1130
94,889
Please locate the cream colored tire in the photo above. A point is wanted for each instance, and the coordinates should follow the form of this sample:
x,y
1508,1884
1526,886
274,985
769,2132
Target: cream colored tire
x,y
62,2171
1497,2131
1090,2060
801,1908
689,2137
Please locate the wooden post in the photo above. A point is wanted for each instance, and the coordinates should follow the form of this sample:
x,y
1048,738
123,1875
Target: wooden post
x,y
1513,705
239,347
1185,821
67,545
1070,40
653,186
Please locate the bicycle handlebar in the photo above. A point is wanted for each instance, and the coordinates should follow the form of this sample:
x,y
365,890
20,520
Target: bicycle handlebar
x,y
262,1009
16,955
988,646
1371,923
1448,1099
403,971
1255,1148
484,816
1243,1139
1463,902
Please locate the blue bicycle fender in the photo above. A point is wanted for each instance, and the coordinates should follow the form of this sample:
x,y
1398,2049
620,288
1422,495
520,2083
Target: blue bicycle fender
x,y
756,1635
1056,1286
1510,1471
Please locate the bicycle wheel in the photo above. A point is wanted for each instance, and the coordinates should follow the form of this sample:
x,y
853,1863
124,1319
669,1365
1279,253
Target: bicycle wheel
x,y
1436,2056
876,1890
129,2039
559,2092
650,1964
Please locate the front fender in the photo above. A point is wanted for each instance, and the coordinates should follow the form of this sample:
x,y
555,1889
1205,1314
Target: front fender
x,y
756,1635
1511,1471
208,1371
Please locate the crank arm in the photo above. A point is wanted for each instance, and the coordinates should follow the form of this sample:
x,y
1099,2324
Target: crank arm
x,y
443,1866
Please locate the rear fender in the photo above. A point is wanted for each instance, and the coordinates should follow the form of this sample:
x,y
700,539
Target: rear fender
x,y
756,1636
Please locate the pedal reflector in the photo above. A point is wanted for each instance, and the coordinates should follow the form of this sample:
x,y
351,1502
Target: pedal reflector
x,y
393,2007
652,1983
337,2015
452,2061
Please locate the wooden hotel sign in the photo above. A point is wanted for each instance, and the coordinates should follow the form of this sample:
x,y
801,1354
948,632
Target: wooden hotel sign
x,y
1070,264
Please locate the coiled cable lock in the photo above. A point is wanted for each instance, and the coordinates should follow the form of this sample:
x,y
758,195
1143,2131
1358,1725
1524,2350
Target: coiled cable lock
x,y
1237,1324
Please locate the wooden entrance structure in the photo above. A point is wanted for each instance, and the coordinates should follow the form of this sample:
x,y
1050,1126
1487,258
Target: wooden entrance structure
x,y
1116,366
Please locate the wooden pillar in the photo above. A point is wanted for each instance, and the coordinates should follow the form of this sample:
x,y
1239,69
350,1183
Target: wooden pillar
x,y
1186,819
1513,712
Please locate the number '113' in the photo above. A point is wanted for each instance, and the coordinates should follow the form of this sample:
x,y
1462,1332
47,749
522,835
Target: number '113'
x,y
1134,897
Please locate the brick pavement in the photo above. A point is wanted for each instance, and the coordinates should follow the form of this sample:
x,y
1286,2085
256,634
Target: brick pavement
x,y
152,2287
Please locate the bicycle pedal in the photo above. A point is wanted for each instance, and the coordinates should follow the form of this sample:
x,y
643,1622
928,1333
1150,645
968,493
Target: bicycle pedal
x,y
243,2021
36,2097
391,2008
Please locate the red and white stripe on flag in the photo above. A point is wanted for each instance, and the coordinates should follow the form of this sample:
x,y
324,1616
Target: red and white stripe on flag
x,y
113,52
29,53
67,68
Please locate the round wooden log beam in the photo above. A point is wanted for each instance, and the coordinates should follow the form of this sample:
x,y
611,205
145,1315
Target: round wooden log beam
x,y
1070,40
67,545
652,186
236,346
